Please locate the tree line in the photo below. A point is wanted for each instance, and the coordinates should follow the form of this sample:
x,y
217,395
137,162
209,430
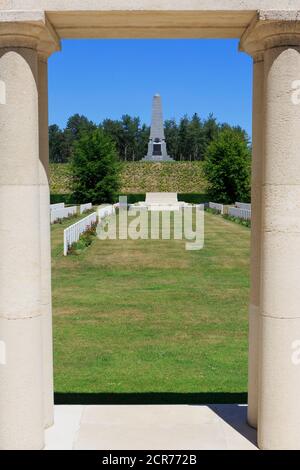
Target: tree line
x,y
187,140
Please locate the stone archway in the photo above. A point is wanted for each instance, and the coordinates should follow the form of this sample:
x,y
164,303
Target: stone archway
x,y
28,36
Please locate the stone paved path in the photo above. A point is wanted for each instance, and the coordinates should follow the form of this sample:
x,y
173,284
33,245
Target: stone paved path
x,y
169,427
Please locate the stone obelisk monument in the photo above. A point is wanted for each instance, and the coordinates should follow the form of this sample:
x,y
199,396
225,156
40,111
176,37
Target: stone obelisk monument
x,y
157,149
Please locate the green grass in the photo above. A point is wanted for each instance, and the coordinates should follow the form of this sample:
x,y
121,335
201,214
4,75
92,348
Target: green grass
x,y
139,317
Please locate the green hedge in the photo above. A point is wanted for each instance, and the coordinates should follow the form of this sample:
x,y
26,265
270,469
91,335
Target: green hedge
x,y
66,198
191,198
133,198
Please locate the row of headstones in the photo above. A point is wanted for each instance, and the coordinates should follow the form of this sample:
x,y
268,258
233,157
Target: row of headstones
x,y
60,211
241,210
74,231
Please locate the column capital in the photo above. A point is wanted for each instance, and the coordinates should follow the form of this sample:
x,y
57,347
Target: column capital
x,y
30,30
270,29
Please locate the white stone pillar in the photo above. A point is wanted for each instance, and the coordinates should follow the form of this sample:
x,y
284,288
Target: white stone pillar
x,y
21,397
277,35
279,403
46,304
256,190
254,47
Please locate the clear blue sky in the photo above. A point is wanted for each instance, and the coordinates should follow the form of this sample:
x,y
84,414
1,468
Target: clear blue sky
x,y
108,78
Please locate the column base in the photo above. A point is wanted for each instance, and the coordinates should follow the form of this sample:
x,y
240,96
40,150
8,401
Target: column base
x,y
21,397
253,366
279,404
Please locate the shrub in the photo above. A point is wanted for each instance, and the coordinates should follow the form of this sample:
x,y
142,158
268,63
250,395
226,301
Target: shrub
x,y
212,211
227,167
84,241
238,220
95,168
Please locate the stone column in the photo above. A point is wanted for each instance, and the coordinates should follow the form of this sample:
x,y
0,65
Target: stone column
x,y
25,302
255,48
279,349
45,244
21,398
279,405
256,190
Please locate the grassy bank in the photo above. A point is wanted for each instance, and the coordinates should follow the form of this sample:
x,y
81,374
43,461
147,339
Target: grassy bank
x,y
142,177
179,177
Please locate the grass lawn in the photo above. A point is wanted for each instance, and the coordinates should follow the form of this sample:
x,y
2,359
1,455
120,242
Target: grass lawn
x,y
146,316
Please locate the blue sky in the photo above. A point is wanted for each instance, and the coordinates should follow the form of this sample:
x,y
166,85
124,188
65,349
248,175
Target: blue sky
x,y
108,78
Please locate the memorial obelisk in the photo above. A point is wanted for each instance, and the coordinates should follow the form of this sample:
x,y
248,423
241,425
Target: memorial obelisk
x,y
157,148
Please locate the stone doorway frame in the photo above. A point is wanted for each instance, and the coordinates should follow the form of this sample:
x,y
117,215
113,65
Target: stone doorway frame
x,y
28,36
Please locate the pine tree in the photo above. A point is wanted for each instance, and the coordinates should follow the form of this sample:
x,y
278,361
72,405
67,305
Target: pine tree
x,y
172,138
95,168
196,137
58,148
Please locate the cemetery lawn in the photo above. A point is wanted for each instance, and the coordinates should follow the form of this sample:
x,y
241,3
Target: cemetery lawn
x,y
146,316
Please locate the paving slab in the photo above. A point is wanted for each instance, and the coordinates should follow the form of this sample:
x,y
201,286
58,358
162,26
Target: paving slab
x,y
151,427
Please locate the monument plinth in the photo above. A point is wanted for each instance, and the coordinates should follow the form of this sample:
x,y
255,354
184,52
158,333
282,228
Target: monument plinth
x,y
157,148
